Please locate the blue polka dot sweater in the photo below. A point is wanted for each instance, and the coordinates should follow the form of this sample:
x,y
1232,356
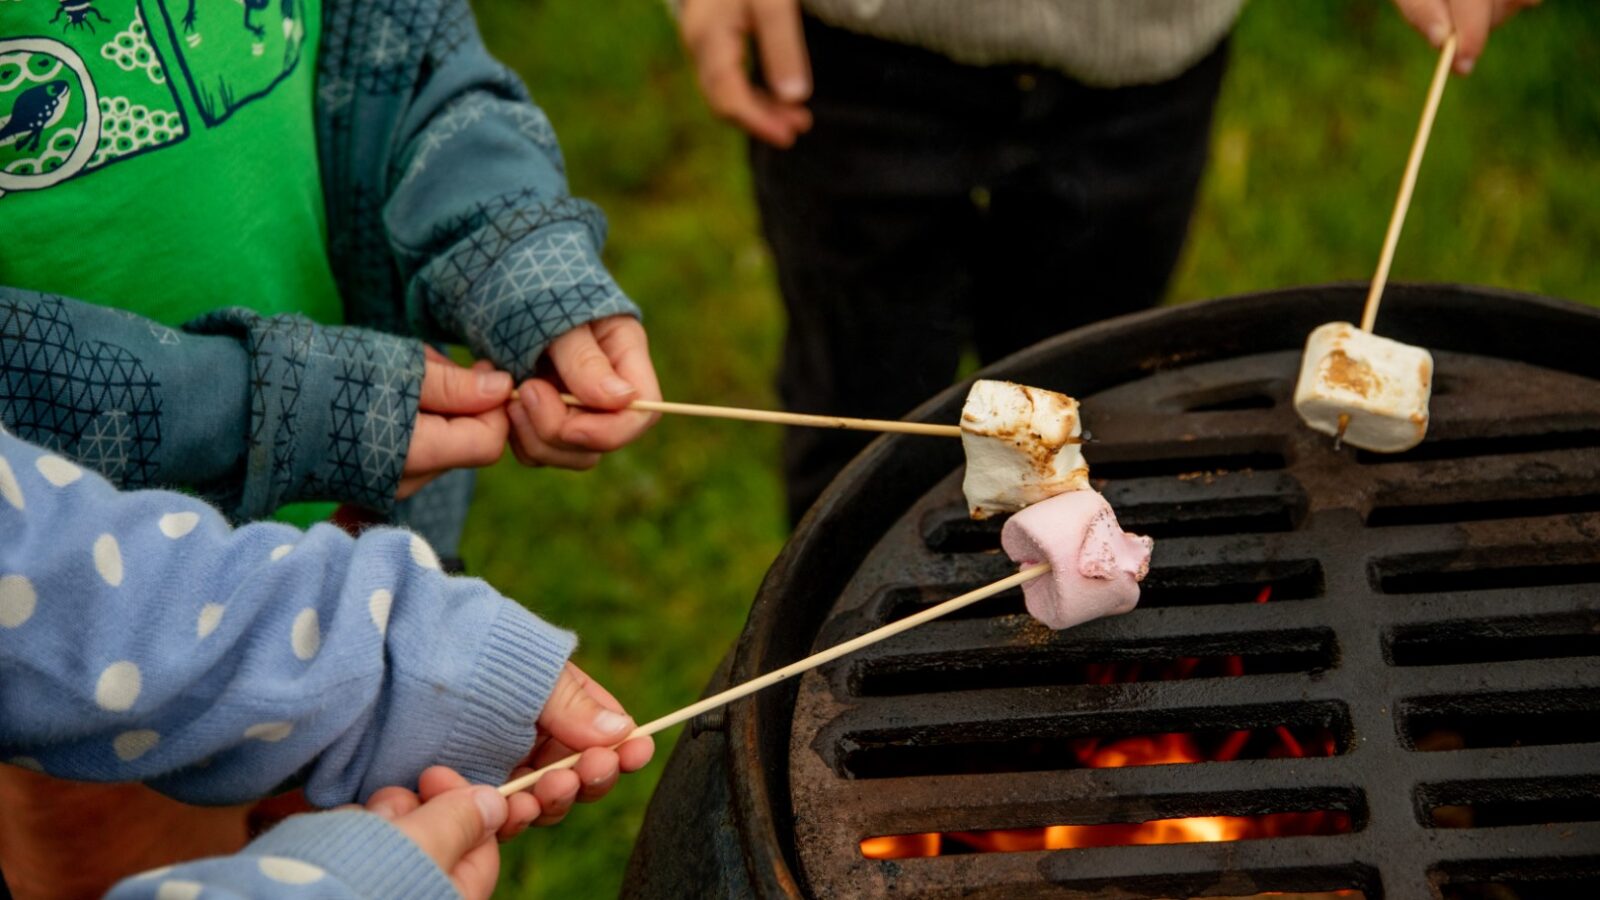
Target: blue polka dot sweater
x,y
143,639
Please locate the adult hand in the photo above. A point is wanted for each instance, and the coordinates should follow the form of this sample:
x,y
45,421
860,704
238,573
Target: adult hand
x,y
461,420
606,365
1471,20
581,716
715,33
452,822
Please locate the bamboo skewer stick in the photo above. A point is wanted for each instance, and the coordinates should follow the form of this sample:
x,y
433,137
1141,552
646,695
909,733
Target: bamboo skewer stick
x,y
792,669
1402,203
778,417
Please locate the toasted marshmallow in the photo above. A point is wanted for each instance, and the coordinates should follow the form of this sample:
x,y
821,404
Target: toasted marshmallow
x,y
1017,443
1382,385
1095,566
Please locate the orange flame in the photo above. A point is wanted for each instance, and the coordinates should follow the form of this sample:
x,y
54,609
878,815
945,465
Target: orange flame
x,y
1147,750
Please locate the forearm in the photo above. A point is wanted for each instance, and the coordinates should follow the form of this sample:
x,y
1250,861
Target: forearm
x,y
140,636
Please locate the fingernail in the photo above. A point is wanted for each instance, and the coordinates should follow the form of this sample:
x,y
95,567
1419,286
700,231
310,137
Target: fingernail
x,y
608,722
491,806
383,811
1437,32
494,384
530,397
1465,66
792,89
581,438
615,386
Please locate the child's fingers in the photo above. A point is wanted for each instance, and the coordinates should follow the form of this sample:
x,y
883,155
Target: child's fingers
x,y
450,825
439,442
556,792
576,717
1471,19
454,390
587,371
524,808
783,48
1430,17
475,875
392,802
531,449
436,780
636,754
597,773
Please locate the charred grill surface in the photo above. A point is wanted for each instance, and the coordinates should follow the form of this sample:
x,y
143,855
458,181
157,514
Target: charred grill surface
x,y
1433,619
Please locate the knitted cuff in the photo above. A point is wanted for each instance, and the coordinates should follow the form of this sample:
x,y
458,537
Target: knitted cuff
x,y
361,850
331,410
521,661
523,279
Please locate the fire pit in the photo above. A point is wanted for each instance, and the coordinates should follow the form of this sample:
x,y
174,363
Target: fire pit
x,y
1377,675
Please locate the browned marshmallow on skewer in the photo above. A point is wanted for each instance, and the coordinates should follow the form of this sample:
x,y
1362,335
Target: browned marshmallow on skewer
x,y
1382,385
1019,446
1095,566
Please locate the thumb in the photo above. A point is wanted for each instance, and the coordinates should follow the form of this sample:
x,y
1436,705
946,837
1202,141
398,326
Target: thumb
x,y
453,823
453,390
578,715
587,371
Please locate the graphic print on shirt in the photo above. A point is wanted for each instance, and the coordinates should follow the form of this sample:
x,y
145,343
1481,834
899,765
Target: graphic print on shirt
x,y
232,52
85,83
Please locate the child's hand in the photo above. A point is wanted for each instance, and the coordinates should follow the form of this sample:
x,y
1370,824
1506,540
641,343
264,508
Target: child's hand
x,y
461,420
715,33
581,716
454,823
1471,20
606,364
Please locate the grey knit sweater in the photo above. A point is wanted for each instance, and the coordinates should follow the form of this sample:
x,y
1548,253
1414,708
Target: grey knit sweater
x,y
1100,42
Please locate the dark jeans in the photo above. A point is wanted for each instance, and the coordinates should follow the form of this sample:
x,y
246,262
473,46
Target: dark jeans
x,y
937,206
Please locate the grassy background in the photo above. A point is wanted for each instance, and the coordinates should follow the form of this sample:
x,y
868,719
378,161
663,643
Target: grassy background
x,y
653,557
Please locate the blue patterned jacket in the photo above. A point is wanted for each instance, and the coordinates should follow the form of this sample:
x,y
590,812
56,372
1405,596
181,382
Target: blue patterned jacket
x,y
449,219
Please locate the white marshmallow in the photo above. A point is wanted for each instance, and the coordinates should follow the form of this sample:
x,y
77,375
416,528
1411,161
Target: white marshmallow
x,y
1017,443
1382,385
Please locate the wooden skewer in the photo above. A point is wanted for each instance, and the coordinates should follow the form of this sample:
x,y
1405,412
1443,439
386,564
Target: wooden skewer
x,y
792,669
791,418
1402,203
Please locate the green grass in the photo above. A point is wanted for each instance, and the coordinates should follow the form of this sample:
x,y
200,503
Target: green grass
x,y
653,558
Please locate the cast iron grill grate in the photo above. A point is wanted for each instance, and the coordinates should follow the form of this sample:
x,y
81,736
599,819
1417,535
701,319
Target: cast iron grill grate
x,y
1432,622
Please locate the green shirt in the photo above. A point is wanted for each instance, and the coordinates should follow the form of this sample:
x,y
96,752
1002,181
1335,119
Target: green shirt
x,y
160,156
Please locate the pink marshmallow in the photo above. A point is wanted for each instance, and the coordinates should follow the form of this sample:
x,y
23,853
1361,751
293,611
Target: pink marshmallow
x,y
1095,566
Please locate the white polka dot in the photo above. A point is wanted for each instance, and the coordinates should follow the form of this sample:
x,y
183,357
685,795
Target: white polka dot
x,y
130,745
210,618
9,489
153,873
179,890
378,604
108,559
422,553
289,871
306,635
17,600
271,732
176,525
118,687
280,551
26,762
57,471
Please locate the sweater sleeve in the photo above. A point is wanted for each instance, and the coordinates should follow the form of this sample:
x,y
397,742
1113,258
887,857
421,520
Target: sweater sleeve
x,y
336,855
249,411
142,639
496,252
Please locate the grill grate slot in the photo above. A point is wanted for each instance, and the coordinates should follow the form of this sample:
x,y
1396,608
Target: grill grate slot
x,y
1486,570
1184,464
1519,719
1557,878
1295,579
1482,510
1086,662
1181,737
1498,804
1496,640
1496,445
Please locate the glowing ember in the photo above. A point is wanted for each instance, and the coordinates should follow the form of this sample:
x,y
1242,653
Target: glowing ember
x,y
1149,750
